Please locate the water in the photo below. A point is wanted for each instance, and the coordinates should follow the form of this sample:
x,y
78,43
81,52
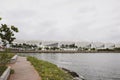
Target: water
x,y
93,66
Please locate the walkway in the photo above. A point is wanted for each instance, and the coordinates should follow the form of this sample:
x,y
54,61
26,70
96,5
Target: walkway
x,y
24,70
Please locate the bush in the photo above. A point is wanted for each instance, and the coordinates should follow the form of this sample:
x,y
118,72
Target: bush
x,y
2,69
12,71
49,71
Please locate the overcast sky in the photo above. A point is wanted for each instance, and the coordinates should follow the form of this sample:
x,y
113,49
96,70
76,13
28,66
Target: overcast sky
x,y
73,20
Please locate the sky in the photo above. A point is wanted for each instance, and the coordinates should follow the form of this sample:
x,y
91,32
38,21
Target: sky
x,y
63,20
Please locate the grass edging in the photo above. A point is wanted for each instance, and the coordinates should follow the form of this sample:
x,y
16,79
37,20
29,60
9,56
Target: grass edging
x,y
49,71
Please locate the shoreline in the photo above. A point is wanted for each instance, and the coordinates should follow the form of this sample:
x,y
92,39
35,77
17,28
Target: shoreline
x,y
74,74
49,71
51,51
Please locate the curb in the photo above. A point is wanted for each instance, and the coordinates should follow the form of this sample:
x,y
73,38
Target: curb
x,y
6,74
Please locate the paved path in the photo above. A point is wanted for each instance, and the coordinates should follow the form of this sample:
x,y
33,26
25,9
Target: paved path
x,y
24,70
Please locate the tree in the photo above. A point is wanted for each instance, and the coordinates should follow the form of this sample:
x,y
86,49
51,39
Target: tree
x,y
72,46
7,34
62,46
66,46
0,18
40,48
7,37
47,48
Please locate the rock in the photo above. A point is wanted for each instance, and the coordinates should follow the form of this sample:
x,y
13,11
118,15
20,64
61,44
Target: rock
x,y
74,74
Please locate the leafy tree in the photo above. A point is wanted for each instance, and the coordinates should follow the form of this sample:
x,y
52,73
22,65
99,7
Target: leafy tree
x,y
47,48
62,46
66,46
7,37
40,48
7,34
20,45
73,46
54,48
117,49
35,46
93,49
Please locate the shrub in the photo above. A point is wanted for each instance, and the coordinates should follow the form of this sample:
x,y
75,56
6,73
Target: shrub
x,y
12,71
2,69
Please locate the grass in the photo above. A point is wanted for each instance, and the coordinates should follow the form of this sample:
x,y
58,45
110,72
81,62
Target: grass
x,y
9,55
2,69
49,71
4,57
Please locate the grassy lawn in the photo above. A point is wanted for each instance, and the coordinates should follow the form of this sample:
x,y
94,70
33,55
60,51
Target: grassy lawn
x,y
49,71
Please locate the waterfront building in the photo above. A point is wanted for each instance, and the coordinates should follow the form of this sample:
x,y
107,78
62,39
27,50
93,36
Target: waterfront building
x,y
110,46
65,45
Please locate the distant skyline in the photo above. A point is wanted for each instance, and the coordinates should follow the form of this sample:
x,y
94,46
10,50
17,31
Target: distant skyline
x,y
63,20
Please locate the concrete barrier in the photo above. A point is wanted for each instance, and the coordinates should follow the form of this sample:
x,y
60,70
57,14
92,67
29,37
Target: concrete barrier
x,y
14,59
6,74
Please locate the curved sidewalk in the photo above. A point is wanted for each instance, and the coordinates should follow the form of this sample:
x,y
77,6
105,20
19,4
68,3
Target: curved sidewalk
x,y
24,70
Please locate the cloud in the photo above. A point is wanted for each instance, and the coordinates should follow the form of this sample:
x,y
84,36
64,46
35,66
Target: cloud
x,y
89,20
